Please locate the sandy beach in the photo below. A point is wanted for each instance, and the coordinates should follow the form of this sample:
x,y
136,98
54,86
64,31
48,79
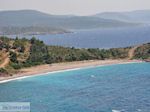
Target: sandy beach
x,y
58,67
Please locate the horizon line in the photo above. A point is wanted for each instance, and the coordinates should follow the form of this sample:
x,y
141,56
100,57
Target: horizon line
x,y
1,10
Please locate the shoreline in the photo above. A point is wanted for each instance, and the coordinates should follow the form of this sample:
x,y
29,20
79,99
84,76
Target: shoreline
x,y
62,67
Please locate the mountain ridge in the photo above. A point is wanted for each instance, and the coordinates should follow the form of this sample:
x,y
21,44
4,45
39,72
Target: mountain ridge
x,y
20,19
142,16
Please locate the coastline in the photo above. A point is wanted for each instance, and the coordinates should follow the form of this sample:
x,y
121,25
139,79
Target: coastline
x,y
62,67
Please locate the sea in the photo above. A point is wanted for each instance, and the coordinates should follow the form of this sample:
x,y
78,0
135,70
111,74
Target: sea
x,y
97,38
112,88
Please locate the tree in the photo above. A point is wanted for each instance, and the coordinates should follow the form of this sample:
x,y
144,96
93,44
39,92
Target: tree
x,y
33,40
13,57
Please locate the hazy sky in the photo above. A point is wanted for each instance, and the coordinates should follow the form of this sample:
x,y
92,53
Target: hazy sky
x,y
77,7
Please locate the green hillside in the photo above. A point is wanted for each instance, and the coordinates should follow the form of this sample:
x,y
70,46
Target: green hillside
x,y
143,52
19,53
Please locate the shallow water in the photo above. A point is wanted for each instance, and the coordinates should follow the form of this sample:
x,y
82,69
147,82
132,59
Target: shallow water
x,y
115,88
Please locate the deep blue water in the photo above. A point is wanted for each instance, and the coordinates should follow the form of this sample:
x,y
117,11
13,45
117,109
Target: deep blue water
x,y
125,88
99,38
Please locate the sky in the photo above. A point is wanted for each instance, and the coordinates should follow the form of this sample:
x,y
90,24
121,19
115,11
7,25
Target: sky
x,y
75,7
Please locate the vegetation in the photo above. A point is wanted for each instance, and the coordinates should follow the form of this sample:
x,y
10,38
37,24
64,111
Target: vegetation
x,y
30,30
143,52
27,53
3,71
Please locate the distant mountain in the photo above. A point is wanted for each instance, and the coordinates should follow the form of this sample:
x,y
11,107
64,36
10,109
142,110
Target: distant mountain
x,y
139,16
32,18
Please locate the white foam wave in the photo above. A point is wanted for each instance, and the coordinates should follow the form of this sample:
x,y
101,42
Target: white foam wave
x,y
59,71
116,111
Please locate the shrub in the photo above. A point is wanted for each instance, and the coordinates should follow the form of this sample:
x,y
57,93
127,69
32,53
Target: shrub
x,y
2,70
13,57
16,65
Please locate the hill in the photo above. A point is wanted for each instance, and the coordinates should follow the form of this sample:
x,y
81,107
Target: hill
x,y
19,53
139,16
32,18
143,52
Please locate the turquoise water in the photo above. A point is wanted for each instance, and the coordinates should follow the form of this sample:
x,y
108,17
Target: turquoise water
x,y
124,88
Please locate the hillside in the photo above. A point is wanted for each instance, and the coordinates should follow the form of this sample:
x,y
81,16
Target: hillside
x,y
139,16
143,52
19,53
32,30
30,18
